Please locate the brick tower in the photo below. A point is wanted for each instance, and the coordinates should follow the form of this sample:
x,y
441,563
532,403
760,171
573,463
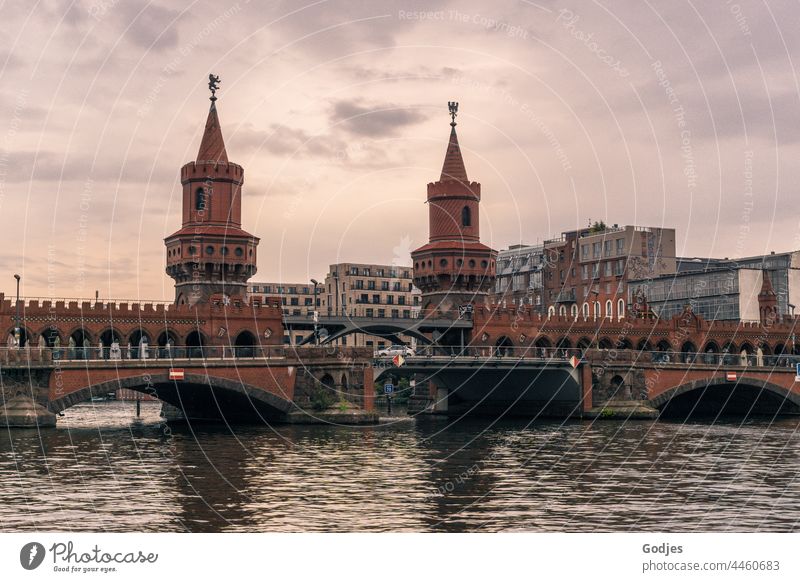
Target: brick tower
x,y
211,254
767,300
454,269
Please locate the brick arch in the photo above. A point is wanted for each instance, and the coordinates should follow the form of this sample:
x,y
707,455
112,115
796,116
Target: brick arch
x,y
50,334
141,383
662,399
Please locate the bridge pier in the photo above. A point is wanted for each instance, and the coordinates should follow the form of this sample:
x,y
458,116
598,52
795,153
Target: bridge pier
x,y
24,394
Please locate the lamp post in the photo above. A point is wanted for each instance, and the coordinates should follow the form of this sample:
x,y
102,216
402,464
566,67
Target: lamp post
x,y
316,313
16,317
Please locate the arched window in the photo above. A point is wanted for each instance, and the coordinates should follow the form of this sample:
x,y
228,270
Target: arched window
x,y
466,216
586,311
200,200
562,311
574,311
551,311
597,310
609,309
621,308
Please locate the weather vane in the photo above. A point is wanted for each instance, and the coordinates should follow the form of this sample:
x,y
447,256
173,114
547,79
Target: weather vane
x,y
213,81
453,107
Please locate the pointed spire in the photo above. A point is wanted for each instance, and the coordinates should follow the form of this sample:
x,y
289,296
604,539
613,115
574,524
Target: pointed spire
x,y
453,168
212,146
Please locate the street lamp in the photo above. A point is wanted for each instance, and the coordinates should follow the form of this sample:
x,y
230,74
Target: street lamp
x,y
316,313
16,317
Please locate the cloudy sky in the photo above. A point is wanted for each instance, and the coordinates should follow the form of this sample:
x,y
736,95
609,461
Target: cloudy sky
x,y
675,113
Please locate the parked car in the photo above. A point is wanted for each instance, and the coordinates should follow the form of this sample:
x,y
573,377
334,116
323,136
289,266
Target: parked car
x,y
396,350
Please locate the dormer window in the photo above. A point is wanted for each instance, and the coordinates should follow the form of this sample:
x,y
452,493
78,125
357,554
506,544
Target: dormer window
x,y
466,216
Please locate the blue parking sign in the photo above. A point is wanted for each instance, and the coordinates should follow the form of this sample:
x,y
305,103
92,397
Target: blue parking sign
x,y
388,388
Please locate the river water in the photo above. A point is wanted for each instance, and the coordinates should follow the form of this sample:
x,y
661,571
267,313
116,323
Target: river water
x,y
103,469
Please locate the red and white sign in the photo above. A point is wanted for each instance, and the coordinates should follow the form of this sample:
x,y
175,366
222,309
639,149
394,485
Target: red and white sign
x,y
730,376
574,360
398,360
176,373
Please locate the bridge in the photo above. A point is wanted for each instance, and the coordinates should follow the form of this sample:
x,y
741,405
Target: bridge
x,y
257,384
584,383
425,328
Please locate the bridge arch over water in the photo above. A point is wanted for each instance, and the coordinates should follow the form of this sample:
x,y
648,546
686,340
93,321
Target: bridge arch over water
x,y
208,397
717,396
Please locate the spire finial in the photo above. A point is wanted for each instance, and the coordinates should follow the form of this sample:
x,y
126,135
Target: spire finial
x,y
213,81
453,107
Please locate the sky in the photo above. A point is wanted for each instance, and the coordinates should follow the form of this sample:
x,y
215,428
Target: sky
x,y
678,114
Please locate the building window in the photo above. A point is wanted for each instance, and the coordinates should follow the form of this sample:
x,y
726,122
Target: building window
x,y
294,301
466,216
354,270
381,313
585,272
370,312
585,251
371,285
376,298
608,268
621,308
596,250
586,311
209,250
620,246
609,309
239,252
384,285
390,299
401,300
223,251
200,200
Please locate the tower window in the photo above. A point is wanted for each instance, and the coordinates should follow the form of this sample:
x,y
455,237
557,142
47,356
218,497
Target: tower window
x,y
192,250
239,252
466,216
209,250
200,200
224,251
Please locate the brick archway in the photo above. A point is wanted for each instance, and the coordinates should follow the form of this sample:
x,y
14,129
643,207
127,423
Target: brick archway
x,y
161,386
665,397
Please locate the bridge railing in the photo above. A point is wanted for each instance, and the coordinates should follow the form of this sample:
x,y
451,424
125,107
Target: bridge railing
x,y
10,355
414,313
612,355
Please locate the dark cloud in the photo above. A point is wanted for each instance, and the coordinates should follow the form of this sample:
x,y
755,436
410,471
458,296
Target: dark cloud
x,y
377,121
284,141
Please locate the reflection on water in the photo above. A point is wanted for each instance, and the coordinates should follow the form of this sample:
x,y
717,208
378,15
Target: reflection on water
x,y
103,469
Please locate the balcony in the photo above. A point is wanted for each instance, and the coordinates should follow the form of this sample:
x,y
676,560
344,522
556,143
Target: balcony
x,y
566,296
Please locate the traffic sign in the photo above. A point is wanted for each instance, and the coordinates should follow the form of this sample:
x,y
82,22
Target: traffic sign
x,y
574,360
176,374
398,360
730,376
388,388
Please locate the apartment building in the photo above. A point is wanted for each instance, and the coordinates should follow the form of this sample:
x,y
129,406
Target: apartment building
x,y
587,271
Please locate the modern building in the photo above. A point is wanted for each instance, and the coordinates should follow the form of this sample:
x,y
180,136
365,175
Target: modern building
x,y
725,289
369,290
587,271
519,276
296,298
